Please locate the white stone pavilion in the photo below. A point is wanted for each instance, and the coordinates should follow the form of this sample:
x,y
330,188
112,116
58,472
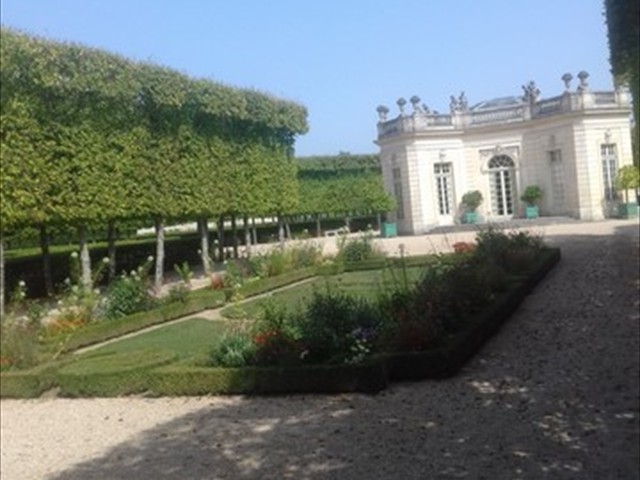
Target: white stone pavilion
x,y
571,146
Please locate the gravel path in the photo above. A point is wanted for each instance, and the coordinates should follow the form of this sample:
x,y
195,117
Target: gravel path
x,y
555,395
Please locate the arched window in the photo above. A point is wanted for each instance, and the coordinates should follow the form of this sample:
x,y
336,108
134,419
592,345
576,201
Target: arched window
x,y
501,169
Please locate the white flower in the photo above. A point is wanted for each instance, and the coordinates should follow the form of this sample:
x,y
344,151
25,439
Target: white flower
x,y
60,303
96,291
22,284
105,260
150,258
133,273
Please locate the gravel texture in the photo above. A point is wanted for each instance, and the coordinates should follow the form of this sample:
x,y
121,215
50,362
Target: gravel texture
x,y
554,395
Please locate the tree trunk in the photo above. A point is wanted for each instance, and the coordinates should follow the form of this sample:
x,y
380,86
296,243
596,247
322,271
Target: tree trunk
x,y
318,226
234,232
379,219
254,231
46,260
281,231
247,235
287,229
159,274
85,259
1,278
111,249
221,238
203,228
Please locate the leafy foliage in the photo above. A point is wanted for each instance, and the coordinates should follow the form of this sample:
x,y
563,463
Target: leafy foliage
x,y
341,185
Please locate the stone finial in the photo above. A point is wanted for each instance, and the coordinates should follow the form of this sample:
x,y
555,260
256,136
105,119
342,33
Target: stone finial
x,y
415,103
462,102
382,113
531,92
582,76
401,103
566,78
454,106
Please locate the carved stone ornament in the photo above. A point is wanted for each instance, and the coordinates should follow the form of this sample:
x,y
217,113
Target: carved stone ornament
x,y
531,92
462,102
485,155
382,113
401,103
453,104
415,103
584,85
566,78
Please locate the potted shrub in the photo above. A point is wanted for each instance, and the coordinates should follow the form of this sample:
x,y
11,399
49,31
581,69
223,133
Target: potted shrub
x,y
471,201
532,194
628,178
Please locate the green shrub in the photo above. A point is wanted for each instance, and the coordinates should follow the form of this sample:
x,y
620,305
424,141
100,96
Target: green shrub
x,y
304,255
513,251
332,325
184,272
127,295
18,344
177,294
234,349
357,249
276,338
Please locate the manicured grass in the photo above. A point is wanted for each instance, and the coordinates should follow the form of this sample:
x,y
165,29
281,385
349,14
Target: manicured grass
x,y
365,284
186,339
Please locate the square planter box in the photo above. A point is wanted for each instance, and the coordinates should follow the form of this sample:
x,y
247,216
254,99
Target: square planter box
x,y
628,210
470,217
389,230
531,212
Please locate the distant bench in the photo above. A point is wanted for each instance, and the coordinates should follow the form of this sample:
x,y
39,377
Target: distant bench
x,y
337,231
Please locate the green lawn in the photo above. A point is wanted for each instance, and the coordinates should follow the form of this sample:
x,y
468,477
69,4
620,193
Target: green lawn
x,y
365,284
186,339
195,338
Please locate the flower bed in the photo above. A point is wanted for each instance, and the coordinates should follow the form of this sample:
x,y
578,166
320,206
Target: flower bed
x,y
371,374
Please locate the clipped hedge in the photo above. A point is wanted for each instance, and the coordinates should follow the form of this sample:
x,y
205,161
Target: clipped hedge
x,y
105,330
29,383
264,285
446,360
110,375
368,377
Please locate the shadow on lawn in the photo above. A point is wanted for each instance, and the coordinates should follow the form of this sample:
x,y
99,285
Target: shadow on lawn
x,y
554,395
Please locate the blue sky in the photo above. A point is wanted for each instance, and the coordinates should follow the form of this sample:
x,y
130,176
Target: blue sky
x,y
343,58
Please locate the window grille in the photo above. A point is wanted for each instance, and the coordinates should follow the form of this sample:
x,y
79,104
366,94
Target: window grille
x,y
444,187
609,169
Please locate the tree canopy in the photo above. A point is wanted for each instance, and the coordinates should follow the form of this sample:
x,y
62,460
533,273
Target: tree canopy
x,y
89,136
342,184
624,47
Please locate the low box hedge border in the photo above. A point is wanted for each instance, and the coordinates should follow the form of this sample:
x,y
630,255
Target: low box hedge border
x,y
369,377
446,361
113,375
108,329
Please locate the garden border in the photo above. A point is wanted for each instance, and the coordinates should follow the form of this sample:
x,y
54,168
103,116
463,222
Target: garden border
x,y
369,377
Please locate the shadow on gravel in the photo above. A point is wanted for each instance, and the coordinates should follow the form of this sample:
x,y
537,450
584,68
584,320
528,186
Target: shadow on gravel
x,y
555,395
